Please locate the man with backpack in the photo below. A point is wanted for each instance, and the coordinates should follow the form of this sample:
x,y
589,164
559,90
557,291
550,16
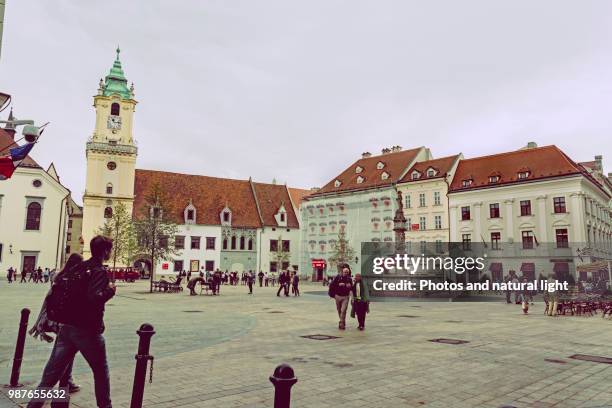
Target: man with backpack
x,y
77,301
339,290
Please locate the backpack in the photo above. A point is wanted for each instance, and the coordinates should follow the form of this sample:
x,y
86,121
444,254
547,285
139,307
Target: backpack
x,y
68,295
333,288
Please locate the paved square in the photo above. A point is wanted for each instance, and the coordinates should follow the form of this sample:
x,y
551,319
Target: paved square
x,y
219,351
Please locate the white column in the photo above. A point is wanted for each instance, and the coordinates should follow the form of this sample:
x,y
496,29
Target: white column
x,y
509,214
542,216
453,223
578,218
477,225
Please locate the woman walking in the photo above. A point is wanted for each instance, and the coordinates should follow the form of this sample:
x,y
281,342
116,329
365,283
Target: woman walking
x,y
361,304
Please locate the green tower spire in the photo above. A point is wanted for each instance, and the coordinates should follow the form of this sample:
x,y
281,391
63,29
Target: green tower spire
x,y
115,81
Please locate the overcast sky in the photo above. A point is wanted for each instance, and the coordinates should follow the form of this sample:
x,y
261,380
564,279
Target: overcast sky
x,y
298,90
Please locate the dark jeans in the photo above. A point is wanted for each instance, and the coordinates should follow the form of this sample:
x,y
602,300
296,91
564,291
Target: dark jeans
x,y
250,287
361,309
71,340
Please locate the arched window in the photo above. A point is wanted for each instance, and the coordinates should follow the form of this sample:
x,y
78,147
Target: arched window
x,y
241,242
115,109
108,212
250,244
225,243
33,217
109,188
233,242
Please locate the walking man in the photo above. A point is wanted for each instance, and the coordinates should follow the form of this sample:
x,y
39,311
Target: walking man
x,y
261,276
82,324
9,274
250,280
295,282
343,285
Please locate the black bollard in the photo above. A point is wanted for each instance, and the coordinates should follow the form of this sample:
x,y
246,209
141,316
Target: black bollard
x,y
21,336
283,379
145,333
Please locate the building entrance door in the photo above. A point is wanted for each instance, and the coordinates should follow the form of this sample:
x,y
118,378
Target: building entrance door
x,y
28,263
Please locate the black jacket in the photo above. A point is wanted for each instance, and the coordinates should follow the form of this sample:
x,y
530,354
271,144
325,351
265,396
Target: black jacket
x,y
344,290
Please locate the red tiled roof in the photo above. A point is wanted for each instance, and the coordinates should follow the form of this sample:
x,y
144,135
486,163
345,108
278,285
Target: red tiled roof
x,y
210,195
442,166
269,198
297,195
395,165
6,143
541,163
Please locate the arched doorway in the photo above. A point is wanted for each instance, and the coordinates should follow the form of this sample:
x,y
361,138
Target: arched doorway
x,y
143,265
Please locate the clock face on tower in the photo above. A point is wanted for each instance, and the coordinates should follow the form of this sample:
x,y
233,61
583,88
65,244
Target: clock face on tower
x,y
114,122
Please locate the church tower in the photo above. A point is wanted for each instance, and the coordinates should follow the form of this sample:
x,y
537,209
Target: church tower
x,y
111,153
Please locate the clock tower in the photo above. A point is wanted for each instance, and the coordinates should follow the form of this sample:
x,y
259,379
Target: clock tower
x,y
111,153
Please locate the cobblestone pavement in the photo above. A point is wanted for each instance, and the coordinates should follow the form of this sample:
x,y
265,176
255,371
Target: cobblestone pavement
x,y
219,351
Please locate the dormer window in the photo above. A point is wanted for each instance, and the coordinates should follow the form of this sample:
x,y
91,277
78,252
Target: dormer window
x,y
466,183
360,180
190,213
431,172
358,169
522,175
281,216
337,183
226,216
415,175
380,165
493,179
384,175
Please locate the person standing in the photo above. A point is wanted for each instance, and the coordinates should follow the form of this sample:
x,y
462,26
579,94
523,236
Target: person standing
x,y
295,282
261,277
46,275
361,304
216,281
341,289
281,280
250,280
82,324
9,274
266,279
24,275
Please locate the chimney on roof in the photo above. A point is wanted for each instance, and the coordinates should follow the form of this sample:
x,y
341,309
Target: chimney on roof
x,y
386,150
365,155
396,149
315,189
530,145
599,163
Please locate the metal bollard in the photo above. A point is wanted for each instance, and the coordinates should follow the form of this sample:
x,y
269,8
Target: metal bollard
x,y
283,379
145,333
21,336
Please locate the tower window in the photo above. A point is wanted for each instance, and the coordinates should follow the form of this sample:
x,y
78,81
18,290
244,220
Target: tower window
x,y
108,212
111,165
115,109
109,188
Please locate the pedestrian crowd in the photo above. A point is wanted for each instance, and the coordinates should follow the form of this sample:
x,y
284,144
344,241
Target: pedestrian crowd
x,y
37,275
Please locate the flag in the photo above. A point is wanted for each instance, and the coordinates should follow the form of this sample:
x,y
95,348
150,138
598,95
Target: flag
x,y
9,163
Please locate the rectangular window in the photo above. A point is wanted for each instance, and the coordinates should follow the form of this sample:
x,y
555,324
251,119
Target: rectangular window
x,y
494,210
527,239
273,245
439,246
190,215
273,266
209,266
525,207
195,242
210,242
194,265
438,221
422,223
465,213
286,245
562,239
179,242
437,200
495,240
163,241
178,266
285,266
422,200
559,205
67,250
407,200
466,241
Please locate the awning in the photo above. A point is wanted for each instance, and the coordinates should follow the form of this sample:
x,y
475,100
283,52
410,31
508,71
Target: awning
x,y
318,263
600,266
528,267
496,267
